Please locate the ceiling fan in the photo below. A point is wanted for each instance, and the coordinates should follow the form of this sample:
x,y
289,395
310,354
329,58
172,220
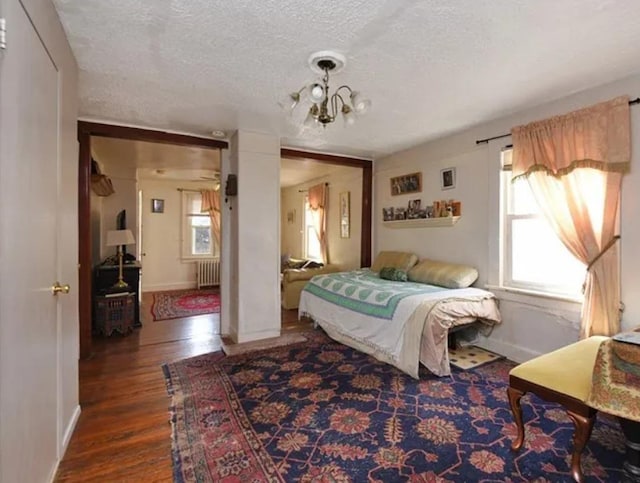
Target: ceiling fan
x,y
215,178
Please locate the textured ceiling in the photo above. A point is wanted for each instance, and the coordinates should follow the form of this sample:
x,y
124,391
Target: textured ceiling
x,y
430,67
298,171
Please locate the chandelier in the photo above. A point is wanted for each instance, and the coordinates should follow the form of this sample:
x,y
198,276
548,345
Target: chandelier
x,y
324,105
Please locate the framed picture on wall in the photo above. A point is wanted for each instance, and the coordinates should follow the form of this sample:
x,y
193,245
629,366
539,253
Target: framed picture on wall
x,y
157,206
448,178
409,183
344,215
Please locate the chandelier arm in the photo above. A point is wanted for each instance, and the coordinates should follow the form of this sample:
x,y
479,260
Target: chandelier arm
x,y
345,87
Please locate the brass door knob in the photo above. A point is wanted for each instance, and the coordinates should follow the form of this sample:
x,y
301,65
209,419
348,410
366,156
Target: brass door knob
x,y
57,288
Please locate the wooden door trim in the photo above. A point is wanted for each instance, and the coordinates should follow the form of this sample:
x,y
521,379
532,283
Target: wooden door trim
x,y
367,190
87,129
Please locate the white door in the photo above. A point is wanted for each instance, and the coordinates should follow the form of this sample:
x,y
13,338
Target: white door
x,y
29,161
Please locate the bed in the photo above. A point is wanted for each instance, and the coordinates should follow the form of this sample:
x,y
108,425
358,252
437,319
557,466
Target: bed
x,y
401,323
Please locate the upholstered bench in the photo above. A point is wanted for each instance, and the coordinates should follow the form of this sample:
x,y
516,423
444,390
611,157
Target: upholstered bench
x,y
562,376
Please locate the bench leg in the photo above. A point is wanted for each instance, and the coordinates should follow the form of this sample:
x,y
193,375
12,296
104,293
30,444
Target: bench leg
x,y
583,426
514,400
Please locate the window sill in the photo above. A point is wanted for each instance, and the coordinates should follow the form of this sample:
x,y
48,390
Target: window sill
x,y
526,295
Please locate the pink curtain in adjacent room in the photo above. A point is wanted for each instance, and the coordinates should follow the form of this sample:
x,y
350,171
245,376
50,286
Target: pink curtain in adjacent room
x,y
574,164
318,197
211,205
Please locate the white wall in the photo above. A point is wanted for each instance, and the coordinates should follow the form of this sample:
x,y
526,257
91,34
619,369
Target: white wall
x,y
344,252
162,266
532,325
96,229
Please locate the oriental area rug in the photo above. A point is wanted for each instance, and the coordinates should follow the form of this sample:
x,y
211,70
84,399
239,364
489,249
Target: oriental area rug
x,y
320,411
175,304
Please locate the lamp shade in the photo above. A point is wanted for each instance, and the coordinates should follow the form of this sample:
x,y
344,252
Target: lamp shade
x,y
119,237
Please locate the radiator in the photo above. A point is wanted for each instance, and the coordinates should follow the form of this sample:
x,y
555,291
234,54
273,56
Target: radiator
x,y
208,272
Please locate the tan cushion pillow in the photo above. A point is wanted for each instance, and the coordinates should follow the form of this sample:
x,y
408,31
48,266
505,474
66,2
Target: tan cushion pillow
x,y
443,274
400,260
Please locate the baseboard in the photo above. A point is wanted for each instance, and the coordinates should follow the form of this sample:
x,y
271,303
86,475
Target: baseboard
x,y
511,351
68,432
159,287
261,334
70,428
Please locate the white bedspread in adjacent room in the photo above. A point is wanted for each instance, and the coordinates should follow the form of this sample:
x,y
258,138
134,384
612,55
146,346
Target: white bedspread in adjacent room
x,y
401,323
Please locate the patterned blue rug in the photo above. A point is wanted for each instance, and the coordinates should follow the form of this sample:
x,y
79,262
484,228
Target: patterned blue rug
x,y
320,411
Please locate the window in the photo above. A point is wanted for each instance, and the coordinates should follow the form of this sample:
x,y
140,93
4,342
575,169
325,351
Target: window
x,y
197,239
311,247
533,256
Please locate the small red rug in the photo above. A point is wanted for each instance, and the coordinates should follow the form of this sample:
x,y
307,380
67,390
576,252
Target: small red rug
x,y
176,304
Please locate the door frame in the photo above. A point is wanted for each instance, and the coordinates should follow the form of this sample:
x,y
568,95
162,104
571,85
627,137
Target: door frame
x,y
86,130
367,189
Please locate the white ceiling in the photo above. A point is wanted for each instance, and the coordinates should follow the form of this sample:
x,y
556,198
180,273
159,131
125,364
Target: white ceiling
x,y
430,67
297,171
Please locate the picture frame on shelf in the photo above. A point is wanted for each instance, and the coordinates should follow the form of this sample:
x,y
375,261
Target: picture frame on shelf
x,y
413,209
400,214
345,221
448,178
408,183
387,214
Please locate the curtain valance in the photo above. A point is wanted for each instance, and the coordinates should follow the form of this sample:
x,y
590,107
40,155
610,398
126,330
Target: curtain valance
x,y
595,137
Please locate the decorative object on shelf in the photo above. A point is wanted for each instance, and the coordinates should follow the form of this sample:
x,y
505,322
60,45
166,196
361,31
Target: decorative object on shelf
x,y
400,214
157,206
387,214
409,183
448,178
413,210
118,238
344,215
325,106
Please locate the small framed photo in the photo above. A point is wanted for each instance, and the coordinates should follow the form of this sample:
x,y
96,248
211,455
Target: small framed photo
x,y
448,178
409,183
157,206
387,214
413,209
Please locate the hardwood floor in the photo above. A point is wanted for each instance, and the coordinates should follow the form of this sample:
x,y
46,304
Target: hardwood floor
x,y
123,434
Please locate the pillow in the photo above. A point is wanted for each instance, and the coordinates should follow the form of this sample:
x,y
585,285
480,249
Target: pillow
x,y
394,274
448,275
401,260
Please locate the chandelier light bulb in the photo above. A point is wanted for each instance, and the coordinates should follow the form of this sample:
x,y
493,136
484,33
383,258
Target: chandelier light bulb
x,y
348,115
316,93
360,103
310,120
290,101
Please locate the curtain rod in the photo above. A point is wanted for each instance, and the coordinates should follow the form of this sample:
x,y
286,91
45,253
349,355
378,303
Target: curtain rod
x,y
187,189
485,141
304,191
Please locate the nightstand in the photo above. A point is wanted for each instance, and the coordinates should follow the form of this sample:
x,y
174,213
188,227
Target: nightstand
x,y
114,312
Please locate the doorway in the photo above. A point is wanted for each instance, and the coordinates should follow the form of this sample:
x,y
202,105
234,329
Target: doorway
x,y
90,136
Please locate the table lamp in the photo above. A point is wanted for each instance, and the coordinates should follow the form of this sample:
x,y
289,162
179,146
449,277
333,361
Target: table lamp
x,y
117,238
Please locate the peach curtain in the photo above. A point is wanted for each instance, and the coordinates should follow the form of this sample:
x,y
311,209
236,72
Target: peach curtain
x,y
211,205
318,204
574,164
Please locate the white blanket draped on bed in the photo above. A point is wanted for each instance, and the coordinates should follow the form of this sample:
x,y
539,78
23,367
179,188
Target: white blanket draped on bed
x,y
401,323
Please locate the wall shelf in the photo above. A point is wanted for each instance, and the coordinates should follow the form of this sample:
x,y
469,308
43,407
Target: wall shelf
x,y
422,222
